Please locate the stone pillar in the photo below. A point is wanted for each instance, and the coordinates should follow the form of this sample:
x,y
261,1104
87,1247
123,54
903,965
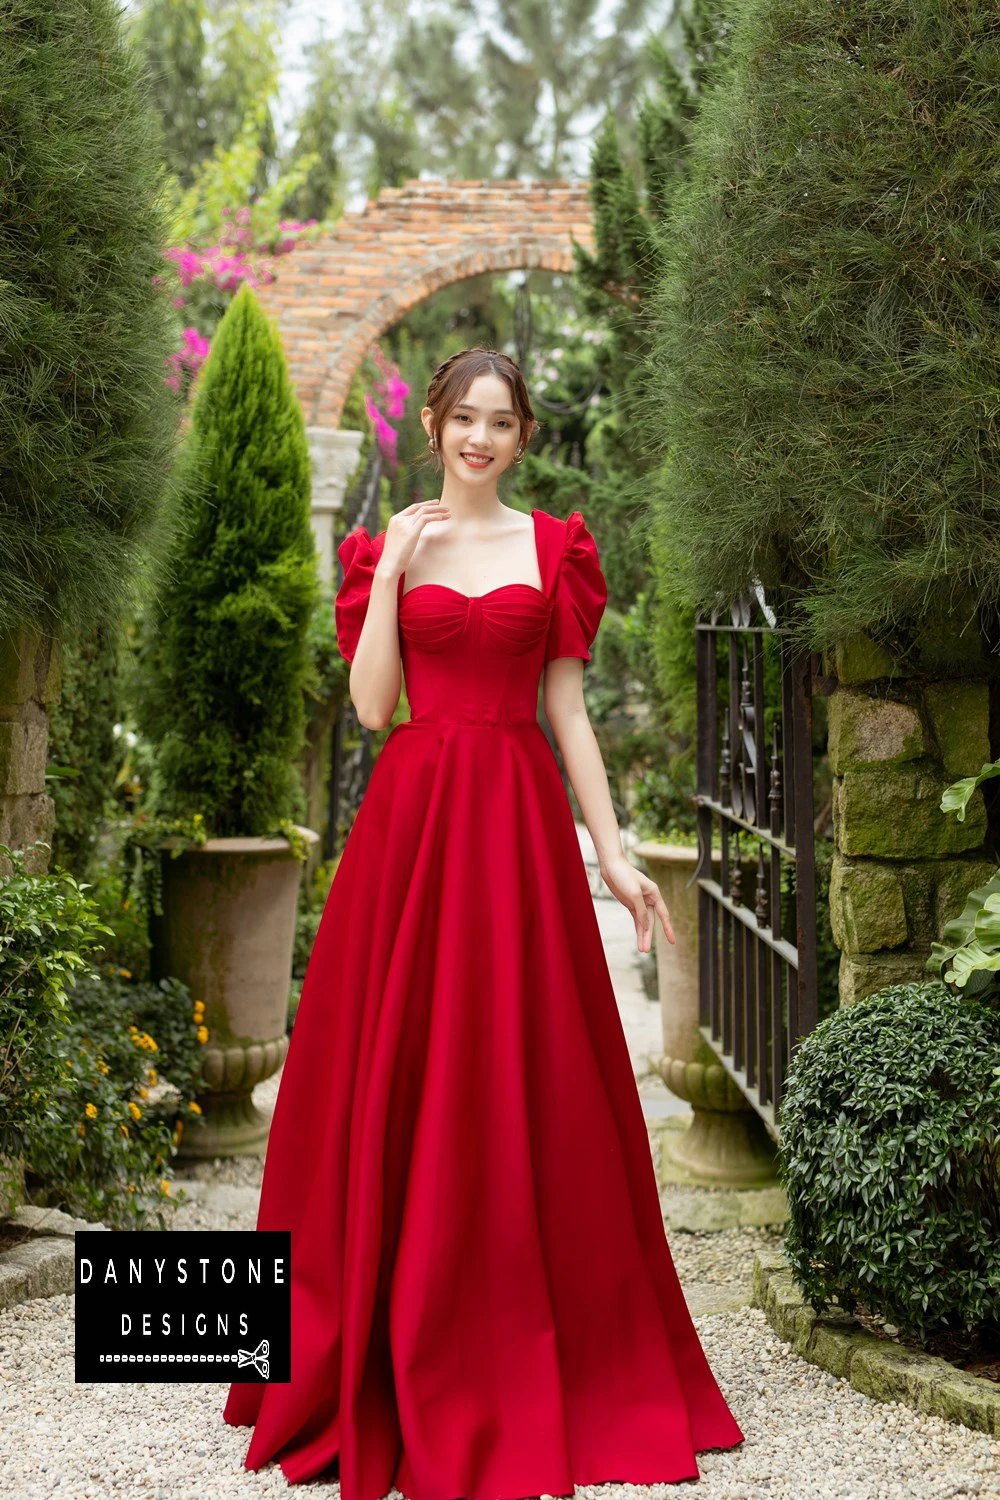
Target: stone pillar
x,y
29,683
334,453
902,867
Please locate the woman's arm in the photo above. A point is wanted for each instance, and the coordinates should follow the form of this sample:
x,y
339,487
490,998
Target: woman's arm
x,y
376,675
566,711
562,694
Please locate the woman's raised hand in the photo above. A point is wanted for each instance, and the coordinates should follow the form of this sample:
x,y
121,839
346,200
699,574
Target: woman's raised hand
x,y
403,533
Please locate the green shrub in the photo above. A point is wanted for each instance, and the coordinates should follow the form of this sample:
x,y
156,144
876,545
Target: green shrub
x,y
128,1066
824,381
48,927
221,675
890,1156
87,423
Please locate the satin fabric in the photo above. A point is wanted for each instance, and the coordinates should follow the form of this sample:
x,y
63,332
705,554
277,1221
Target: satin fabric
x,y
484,1305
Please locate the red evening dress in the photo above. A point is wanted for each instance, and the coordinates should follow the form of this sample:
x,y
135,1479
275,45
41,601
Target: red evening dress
x,y
483,1302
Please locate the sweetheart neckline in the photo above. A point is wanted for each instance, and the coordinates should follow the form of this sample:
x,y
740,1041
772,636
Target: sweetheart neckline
x,y
535,512
470,597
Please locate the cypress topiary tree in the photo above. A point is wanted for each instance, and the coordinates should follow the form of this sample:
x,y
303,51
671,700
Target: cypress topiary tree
x,y
220,690
86,423
825,381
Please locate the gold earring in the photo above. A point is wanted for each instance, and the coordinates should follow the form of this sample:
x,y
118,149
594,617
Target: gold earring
x,y
518,455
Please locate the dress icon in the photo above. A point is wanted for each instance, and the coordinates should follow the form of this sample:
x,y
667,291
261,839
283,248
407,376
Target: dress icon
x,y
484,1305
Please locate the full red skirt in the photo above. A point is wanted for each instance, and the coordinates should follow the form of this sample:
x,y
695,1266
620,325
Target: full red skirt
x,y
484,1304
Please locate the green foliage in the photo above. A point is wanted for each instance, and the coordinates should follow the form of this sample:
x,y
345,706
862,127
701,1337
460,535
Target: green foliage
x,y
127,1067
82,738
825,373
629,201
86,422
890,1156
968,956
319,195
956,797
220,685
48,927
209,66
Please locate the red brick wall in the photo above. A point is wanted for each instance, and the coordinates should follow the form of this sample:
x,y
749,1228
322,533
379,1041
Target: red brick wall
x,y
335,295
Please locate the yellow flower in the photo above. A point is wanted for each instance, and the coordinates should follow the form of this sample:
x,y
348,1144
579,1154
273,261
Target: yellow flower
x,y
202,1033
131,1187
81,1129
102,1067
123,1129
67,1062
178,1132
195,1108
143,1092
134,1110
125,973
165,1186
151,1077
91,1111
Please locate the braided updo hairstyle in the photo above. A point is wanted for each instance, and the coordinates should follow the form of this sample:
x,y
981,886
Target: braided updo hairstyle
x,y
452,379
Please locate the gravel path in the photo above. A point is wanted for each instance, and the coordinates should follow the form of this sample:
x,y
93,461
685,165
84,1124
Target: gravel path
x,y
808,1434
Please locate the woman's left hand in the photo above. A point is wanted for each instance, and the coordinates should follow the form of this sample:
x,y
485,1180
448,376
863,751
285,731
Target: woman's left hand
x,y
642,897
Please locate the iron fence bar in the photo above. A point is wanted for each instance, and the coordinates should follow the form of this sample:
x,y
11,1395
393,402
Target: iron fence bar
x,y
764,1109
761,833
748,920
757,963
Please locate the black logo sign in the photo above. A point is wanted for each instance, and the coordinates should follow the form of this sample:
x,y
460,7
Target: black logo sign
x,y
183,1305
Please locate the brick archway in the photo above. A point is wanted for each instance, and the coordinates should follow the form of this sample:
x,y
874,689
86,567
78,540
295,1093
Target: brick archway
x,y
334,296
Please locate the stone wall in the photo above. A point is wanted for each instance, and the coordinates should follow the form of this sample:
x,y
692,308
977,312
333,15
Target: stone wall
x,y
29,683
902,869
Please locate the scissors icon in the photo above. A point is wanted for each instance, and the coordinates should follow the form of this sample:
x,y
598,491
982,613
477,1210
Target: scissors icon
x,y
256,1357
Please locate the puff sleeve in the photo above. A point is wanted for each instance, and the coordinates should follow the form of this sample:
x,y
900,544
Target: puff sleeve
x,y
351,604
580,594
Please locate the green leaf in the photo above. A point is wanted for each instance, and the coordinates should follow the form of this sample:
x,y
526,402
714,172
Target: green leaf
x,y
956,797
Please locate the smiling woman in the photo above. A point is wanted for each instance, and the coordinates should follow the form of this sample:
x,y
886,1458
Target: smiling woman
x,y
483,1300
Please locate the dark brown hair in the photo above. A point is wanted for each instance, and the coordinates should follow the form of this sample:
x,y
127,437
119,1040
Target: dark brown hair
x,y
453,377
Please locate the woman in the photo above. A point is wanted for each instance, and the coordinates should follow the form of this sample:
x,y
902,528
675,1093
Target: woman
x,y
483,1302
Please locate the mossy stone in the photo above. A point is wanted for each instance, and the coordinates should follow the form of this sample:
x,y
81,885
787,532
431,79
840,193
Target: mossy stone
x,y
974,1403
867,911
887,1372
895,813
955,878
862,975
860,659
960,715
866,731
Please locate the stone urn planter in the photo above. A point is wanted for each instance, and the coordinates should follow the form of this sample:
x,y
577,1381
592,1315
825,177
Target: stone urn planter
x,y
228,931
727,1144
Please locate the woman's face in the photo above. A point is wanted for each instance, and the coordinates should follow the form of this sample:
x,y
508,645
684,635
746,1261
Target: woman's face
x,y
480,435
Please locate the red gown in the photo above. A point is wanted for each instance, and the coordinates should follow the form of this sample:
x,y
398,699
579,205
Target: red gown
x,y
483,1301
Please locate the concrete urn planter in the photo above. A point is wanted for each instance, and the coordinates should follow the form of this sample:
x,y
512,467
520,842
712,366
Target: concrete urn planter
x,y
727,1143
228,931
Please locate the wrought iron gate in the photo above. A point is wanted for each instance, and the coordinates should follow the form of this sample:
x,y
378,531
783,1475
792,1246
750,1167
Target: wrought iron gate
x,y
756,871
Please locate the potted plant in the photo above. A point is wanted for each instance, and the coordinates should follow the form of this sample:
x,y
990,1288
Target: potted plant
x,y
220,682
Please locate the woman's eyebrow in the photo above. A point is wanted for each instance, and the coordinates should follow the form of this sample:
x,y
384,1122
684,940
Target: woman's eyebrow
x,y
498,411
